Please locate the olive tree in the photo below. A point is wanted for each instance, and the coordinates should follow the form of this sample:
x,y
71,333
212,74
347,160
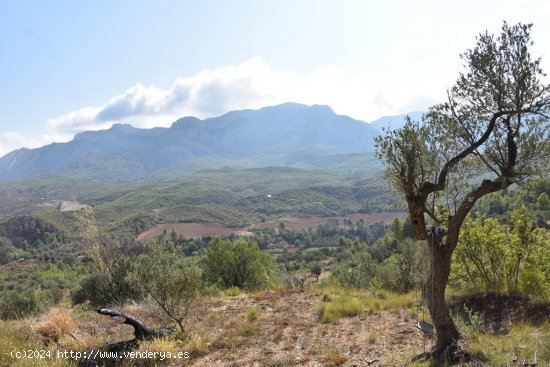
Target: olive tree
x,y
170,279
491,132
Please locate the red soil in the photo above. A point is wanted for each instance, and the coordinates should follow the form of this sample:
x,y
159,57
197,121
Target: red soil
x,y
191,230
195,230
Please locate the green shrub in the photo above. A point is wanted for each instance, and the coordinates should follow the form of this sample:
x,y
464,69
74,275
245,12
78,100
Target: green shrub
x,y
496,257
7,250
17,304
97,290
358,273
232,291
238,264
533,282
253,314
342,306
110,283
316,270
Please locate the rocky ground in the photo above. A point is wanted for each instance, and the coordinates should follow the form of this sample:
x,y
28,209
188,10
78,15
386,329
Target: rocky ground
x,y
288,332
284,328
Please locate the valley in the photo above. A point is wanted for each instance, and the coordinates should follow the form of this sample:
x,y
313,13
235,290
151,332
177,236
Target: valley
x,y
295,254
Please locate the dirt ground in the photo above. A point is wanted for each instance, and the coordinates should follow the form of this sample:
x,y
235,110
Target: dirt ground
x,y
67,206
192,230
288,332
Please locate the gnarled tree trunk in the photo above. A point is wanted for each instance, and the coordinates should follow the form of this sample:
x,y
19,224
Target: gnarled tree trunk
x,y
141,331
447,332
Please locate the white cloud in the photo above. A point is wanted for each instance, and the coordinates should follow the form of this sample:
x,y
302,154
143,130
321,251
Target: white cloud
x,y
252,84
11,140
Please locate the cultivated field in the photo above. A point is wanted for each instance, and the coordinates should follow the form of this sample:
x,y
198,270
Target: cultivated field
x,y
195,230
192,230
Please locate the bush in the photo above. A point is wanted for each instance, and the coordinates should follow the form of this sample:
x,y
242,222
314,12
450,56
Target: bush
x,y
169,279
20,304
238,264
533,282
110,283
495,257
7,250
358,273
253,314
412,264
316,270
232,291
96,289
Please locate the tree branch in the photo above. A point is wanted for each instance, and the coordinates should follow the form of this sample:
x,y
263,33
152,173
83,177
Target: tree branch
x,y
141,330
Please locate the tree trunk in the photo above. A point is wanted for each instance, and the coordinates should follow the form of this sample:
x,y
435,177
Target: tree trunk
x,y
142,331
447,332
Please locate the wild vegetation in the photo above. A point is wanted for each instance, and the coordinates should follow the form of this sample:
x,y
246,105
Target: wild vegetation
x,y
344,292
347,273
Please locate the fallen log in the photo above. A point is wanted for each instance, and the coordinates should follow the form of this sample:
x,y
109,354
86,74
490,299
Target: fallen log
x,y
141,330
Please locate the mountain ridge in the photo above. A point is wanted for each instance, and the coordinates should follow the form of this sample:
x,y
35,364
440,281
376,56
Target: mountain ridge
x,y
271,135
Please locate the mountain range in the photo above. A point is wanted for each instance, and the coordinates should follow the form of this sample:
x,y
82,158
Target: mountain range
x,y
288,135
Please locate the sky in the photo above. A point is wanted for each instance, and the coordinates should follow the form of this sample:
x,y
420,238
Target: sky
x,y
69,66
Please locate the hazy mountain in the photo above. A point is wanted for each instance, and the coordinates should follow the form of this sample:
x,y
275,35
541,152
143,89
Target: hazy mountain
x,y
283,135
395,122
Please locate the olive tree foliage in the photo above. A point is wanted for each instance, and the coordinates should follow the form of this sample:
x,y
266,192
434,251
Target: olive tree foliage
x,y
169,278
109,282
490,133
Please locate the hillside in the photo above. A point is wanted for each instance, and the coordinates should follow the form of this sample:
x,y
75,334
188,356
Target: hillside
x,y
282,135
289,134
233,197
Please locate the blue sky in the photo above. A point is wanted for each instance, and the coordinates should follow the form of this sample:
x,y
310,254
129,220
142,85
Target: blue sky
x,y
69,66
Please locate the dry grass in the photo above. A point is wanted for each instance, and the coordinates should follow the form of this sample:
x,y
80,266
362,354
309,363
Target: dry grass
x,y
334,358
163,346
197,346
275,329
527,343
371,338
56,324
21,335
248,330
